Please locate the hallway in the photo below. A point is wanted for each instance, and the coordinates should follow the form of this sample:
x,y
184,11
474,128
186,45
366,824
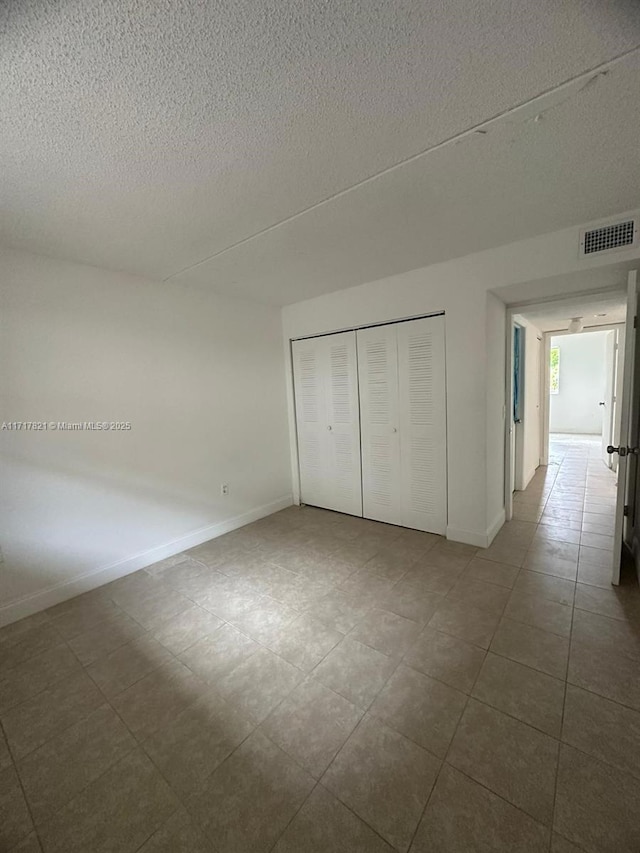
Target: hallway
x,y
562,537
573,498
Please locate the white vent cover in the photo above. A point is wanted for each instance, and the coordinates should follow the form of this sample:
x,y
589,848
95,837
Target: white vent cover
x,y
609,238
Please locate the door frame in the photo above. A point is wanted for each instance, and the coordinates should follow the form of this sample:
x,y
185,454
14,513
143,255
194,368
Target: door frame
x,y
625,527
512,311
545,396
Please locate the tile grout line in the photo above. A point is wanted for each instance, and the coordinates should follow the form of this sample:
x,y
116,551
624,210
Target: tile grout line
x,y
334,794
14,764
258,726
285,752
107,701
559,740
318,781
158,828
298,810
202,783
564,706
305,675
365,712
443,761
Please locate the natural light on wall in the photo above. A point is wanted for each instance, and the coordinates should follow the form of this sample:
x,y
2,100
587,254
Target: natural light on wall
x,y
554,366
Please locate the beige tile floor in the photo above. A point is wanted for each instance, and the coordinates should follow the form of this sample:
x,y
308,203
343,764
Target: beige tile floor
x,y
316,683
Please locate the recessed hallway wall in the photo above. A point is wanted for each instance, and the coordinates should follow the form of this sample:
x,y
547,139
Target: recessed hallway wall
x,y
575,408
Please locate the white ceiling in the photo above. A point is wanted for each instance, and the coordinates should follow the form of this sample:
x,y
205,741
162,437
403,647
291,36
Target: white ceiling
x,y
613,276
158,137
594,311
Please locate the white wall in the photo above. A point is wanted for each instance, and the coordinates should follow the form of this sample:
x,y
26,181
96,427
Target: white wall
x,y
199,377
460,288
465,335
575,407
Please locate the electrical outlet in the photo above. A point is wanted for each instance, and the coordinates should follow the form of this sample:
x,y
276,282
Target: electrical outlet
x,y
224,489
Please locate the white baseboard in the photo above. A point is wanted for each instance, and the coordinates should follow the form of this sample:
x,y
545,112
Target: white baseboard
x,y
496,526
471,537
467,537
526,479
58,593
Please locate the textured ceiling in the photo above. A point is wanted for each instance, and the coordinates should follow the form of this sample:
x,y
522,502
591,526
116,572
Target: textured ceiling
x,y
584,283
594,310
152,136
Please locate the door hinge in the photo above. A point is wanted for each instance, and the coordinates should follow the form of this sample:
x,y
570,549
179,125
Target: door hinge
x,y
635,322
625,511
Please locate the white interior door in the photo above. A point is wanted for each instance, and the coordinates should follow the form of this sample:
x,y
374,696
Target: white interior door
x,y
379,417
536,426
311,418
630,390
617,405
327,419
606,404
343,427
423,425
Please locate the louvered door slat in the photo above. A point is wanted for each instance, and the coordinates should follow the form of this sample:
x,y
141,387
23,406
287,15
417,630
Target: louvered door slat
x,y
343,415
378,375
421,371
311,415
327,417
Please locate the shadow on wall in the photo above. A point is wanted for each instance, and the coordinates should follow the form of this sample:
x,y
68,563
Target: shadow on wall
x,y
199,377
65,522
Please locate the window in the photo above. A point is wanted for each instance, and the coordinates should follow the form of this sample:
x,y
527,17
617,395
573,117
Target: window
x,y
554,367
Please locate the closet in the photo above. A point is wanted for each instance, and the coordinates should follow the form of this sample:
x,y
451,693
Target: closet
x,y
371,422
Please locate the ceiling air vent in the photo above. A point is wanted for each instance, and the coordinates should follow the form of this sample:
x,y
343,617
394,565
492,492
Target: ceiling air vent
x,y
619,235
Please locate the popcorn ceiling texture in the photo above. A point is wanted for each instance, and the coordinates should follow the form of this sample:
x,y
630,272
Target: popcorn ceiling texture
x,y
149,136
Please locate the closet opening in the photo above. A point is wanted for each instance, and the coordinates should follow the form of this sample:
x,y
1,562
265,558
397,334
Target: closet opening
x,y
370,409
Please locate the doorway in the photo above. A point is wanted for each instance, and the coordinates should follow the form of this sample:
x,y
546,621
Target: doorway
x,y
584,387
585,341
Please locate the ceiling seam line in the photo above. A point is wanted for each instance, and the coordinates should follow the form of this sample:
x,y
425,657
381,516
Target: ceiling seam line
x,y
596,70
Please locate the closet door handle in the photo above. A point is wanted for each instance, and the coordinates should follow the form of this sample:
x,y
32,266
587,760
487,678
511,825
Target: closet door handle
x,y
394,430
329,427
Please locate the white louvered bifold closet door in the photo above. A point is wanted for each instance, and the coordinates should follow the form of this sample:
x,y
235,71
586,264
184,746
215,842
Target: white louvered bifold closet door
x,y
343,415
311,418
327,414
379,419
423,424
